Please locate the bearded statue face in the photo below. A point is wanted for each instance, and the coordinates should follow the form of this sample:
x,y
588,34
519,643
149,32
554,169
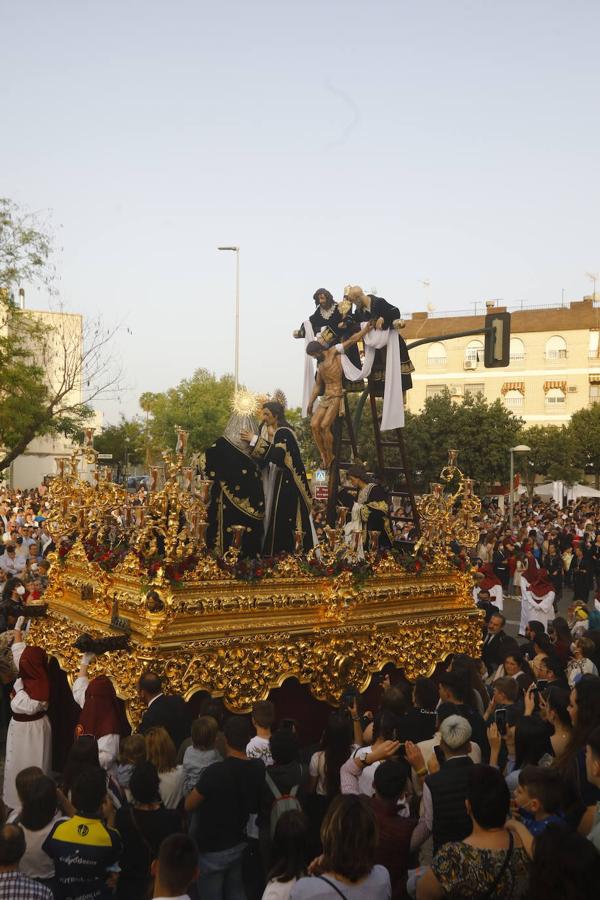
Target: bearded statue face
x,y
357,296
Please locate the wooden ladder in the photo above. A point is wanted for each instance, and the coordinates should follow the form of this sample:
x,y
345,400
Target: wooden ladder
x,y
382,472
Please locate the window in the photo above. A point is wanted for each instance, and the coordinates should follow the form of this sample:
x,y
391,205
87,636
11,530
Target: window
x,y
556,348
436,356
434,390
594,393
555,396
517,349
593,345
514,399
474,351
471,390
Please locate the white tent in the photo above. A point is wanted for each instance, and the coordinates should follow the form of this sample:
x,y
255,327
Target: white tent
x,y
574,492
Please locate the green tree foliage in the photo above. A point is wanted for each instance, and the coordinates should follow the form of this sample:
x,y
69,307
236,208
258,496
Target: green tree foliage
x,y
50,371
551,455
125,441
584,432
200,404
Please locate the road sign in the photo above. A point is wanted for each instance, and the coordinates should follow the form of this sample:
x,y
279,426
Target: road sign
x,y
321,476
321,492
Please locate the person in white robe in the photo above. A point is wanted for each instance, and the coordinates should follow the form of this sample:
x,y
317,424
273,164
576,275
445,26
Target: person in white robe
x,y
100,714
537,603
29,738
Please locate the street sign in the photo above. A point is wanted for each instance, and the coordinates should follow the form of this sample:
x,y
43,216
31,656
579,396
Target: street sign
x,y
321,492
105,456
321,476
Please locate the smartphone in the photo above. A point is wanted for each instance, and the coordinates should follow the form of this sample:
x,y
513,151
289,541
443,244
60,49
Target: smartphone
x,y
348,699
501,721
542,684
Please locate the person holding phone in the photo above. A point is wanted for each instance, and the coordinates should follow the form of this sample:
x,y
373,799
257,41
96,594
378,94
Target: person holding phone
x,y
29,738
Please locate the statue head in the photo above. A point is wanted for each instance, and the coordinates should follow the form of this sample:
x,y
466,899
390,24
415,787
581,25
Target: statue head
x,y
356,295
323,298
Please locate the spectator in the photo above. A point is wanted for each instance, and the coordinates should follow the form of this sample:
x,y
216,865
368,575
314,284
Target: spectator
x,y
15,885
132,751
325,764
419,722
169,711
23,782
29,738
202,753
560,635
428,748
453,689
290,855
227,793
554,707
37,818
550,670
592,769
532,630
469,669
394,831
564,865
505,696
286,778
356,776
584,709
84,849
263,717
516,666
154,821
581,664
538,796
444,814
160,751
490,862
493,652
176,868
349,838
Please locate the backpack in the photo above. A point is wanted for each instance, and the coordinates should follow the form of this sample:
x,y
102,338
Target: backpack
x,y
282,802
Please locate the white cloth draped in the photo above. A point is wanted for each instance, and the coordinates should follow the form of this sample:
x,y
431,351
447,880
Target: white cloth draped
x,y
393,401
354,527
309,368
538,610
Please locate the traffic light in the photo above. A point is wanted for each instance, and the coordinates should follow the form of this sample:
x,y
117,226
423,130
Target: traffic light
x,y
497,340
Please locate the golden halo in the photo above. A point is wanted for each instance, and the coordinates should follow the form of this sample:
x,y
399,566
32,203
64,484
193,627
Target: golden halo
x,y
244,403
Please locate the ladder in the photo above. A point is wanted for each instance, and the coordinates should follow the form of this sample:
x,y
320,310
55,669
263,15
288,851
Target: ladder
x,y
408,511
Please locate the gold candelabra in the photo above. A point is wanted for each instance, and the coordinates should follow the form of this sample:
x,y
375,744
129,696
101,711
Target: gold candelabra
x,y
446,516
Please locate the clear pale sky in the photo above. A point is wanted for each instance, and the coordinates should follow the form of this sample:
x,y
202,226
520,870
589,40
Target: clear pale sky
x,y
380,143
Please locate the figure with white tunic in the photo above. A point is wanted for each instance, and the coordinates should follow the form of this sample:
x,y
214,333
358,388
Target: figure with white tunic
x,y
29,738
101,715
487,580
537,602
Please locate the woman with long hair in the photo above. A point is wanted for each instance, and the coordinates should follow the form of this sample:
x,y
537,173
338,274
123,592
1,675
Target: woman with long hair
x,y
289,855
324,770
560,635
469,668
29,738
584,710
349,839
516,666
555,709
160,750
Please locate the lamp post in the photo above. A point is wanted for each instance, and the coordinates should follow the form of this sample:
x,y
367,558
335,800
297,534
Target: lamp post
x,y
520,448
236,250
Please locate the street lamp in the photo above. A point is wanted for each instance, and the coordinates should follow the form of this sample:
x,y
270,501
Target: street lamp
x,y
520,448
236,250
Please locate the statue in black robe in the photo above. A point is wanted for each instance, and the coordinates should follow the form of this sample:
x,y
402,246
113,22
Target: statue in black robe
x,y
333,323
370,509
288,497
376,309
237,496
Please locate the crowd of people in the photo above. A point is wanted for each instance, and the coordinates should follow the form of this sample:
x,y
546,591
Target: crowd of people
x,y
481,781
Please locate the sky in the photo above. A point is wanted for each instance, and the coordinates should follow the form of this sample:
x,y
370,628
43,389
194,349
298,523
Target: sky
x,y
383,144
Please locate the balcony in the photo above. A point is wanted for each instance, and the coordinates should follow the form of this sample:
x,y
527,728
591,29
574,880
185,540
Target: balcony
x,y
555,355
514,402
517,357
437,362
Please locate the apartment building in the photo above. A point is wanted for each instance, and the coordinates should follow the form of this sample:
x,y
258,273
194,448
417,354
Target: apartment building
x,y
554,365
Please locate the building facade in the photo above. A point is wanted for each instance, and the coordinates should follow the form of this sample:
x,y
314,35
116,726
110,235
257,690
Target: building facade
x,y
65,342
554,365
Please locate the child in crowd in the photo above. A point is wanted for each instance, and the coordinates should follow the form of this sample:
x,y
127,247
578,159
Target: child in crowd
x,y
538,797
202,753
131,752
263,717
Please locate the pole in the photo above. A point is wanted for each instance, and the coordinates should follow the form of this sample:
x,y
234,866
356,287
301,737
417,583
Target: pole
x,y
511,495
237,318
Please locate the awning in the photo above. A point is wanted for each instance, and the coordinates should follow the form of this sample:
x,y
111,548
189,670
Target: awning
x,y
555,385
594,379
513,386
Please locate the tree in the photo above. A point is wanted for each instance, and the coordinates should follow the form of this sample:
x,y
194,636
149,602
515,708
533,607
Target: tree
x,y
200,404
584,434
53,365
551,454
125,442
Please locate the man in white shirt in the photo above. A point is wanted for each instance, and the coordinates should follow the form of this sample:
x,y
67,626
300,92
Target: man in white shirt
x,y
176,868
